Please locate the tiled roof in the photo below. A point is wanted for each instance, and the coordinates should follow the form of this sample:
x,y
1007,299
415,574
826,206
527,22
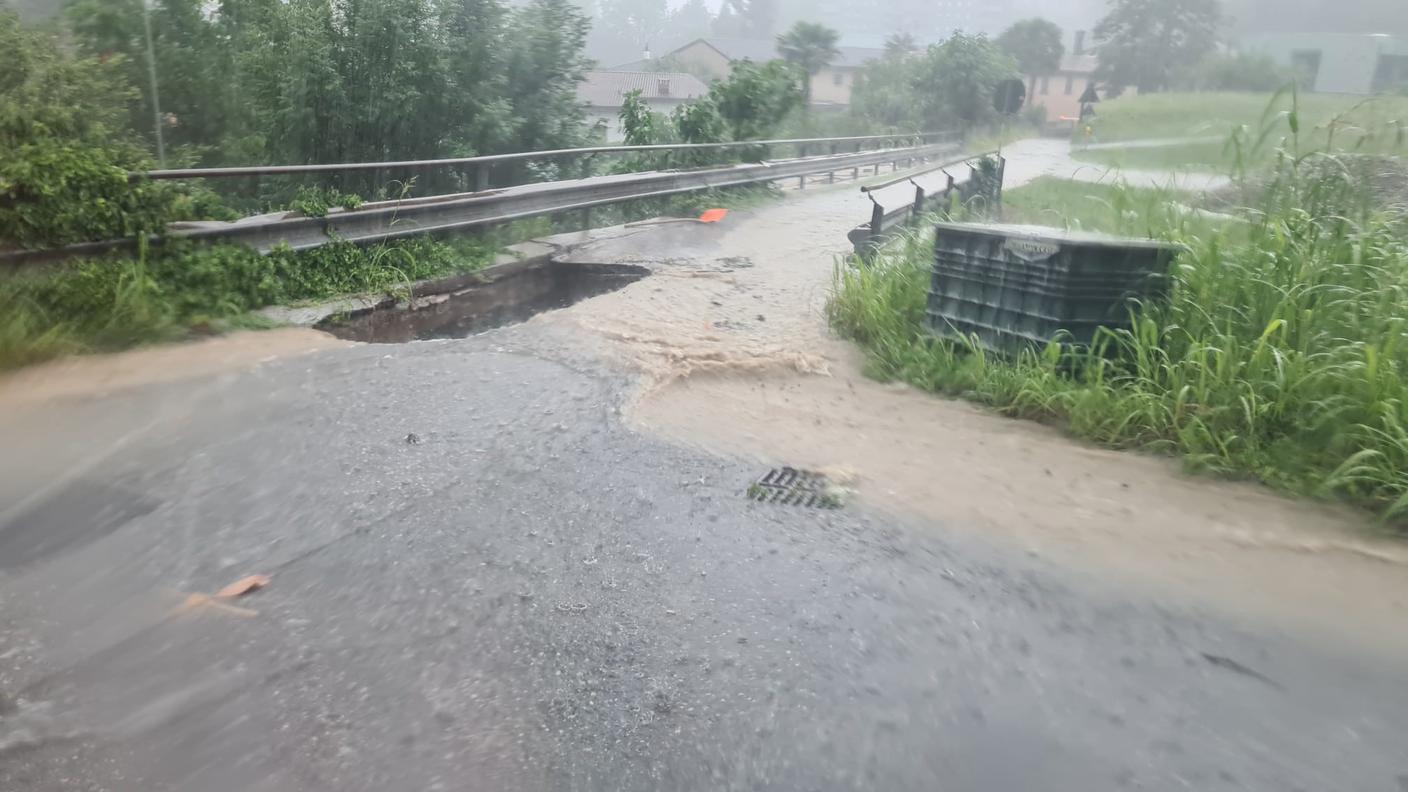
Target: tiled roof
x,y
761,50
609,88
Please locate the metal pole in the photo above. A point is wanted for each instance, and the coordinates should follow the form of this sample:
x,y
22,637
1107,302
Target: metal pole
x,y
877,221
151,77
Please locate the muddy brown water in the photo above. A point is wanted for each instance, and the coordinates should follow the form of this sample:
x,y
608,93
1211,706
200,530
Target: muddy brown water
x,y
505,301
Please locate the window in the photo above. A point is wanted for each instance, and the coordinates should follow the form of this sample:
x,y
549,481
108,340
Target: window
x,y
1306,65
1391,74
662,87
839,78
1070,84
1045,86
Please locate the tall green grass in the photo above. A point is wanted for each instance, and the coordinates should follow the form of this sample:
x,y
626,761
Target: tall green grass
x,y
1279,353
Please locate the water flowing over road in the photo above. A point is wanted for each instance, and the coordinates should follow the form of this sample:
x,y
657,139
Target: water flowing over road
x,y
525,560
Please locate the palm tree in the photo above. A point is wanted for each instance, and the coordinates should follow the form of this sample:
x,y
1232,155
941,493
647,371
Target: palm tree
x,y
811,46
900,45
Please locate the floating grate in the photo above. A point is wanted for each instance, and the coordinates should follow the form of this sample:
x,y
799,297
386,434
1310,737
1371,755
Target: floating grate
x,y
793,487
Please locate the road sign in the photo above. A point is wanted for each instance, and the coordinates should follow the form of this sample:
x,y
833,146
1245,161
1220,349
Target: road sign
x,y
1009,96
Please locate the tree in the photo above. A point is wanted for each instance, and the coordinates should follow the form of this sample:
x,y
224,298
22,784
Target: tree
x,y
624,29
1035,44
949,84
900,45
688,22
884,92
811,47
954,81
1241,72
47,92
755,99
1147,43
545,65
746,18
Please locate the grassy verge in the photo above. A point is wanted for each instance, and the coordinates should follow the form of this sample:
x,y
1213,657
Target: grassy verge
x,y
183,290
1251,129
1112,207
1279,354
1199,156
1174,115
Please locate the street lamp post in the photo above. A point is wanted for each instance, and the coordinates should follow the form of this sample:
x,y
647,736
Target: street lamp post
x,y
151,77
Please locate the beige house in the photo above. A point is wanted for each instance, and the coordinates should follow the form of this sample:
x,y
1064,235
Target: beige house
x,y
716,56
1060,91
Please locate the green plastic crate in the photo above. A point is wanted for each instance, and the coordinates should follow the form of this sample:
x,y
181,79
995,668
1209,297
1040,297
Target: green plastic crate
x,y
1013,286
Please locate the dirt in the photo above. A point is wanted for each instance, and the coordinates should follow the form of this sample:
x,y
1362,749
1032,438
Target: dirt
x,y
94,376
738,360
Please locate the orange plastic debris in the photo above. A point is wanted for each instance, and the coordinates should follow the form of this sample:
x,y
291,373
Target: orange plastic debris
x,y
713,215
243,586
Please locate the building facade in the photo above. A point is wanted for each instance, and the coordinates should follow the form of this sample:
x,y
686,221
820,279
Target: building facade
x,y
602,93
715,57
1060,91
1343,63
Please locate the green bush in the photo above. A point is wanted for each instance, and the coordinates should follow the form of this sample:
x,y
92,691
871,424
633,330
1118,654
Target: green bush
x,y
104,304
54,193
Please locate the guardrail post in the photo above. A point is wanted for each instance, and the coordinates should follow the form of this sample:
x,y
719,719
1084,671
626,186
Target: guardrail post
x,y
918,203
1001,176
481,177
877,230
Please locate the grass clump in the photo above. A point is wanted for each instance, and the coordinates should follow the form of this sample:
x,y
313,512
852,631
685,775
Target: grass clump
x,y
1279,353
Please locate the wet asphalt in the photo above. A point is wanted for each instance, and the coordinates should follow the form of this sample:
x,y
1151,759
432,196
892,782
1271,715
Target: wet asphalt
x,y
528,594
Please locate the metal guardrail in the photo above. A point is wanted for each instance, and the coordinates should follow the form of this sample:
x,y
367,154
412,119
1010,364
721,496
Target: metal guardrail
x,y
869,237
394,219
482,164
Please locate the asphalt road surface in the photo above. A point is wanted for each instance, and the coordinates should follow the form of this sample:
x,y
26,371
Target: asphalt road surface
x,y
483,579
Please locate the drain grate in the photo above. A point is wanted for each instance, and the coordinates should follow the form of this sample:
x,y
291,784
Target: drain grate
x,y
793,487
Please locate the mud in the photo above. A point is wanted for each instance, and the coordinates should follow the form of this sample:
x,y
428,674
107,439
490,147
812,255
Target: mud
x,y
95,376
738,360
478,308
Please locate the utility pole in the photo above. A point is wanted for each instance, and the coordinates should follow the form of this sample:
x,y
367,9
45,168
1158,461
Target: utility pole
x,y
151,77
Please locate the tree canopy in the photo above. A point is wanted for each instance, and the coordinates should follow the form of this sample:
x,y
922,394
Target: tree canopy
x,y
809,46
948,85
294,81
1035,44
1147,43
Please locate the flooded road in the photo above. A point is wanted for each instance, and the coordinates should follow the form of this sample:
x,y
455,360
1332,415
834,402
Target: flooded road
x,y
528,559
738,360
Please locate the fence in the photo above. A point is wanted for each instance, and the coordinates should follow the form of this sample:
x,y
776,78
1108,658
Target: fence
x,y
984,184
442,213
266,186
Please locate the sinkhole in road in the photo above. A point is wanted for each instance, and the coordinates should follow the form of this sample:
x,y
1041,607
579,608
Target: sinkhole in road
x,y
504,300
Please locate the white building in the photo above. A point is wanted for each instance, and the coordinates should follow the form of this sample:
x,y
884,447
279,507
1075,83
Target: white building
x,y
1344,63
603,93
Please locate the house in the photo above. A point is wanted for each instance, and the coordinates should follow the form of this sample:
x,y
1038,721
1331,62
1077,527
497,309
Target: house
x,y
1060,92
1343,63
716,56
603,92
